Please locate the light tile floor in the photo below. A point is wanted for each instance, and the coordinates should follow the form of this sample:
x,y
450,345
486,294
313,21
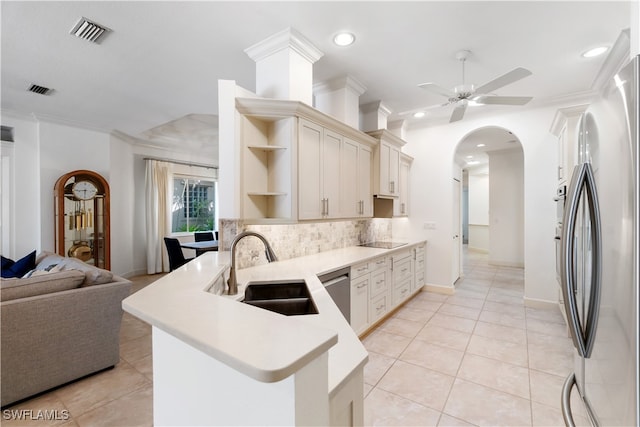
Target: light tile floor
x,y
479,357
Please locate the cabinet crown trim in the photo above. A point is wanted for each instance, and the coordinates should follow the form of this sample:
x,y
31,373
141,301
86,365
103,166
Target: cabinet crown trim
x,y
276,109
387,136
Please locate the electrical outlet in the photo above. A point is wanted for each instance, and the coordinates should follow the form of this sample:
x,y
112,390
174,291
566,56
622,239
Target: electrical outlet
x,y
429,225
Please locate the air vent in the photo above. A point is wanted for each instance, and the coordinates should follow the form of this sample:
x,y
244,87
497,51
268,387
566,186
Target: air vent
x,y
89,30
41,90
6,133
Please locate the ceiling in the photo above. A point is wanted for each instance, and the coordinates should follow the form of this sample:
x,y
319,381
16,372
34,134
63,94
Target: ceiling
x,y
154,76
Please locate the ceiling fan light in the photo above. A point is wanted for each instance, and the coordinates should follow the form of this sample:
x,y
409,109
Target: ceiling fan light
x,y
344,39
596,51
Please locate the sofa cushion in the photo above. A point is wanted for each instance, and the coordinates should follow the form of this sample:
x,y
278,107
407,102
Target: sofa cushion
x,y
93,275
15,288
20,267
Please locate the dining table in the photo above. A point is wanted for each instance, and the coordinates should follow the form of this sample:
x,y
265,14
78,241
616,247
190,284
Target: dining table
x,y
202,246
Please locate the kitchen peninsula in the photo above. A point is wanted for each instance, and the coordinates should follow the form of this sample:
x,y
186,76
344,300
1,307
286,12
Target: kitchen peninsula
x,y
217,361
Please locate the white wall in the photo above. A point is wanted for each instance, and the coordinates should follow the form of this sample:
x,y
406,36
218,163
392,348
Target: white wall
x,y
24,203
506,208
64,149
433,149
479,211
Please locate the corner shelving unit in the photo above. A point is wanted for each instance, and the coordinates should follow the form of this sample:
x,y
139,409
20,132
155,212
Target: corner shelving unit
x,y
267,163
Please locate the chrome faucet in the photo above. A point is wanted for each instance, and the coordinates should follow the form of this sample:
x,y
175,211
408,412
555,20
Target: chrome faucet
x,y
268,252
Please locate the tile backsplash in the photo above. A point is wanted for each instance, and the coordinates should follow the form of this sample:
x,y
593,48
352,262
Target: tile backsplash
x,y
295,240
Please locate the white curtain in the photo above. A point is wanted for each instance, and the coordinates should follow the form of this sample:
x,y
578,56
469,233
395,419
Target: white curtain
x,y
158,214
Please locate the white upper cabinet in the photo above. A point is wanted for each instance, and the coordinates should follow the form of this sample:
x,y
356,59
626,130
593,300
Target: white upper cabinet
x,y
365,195
355,167
565,128
401,205
319,177
386,163
301,164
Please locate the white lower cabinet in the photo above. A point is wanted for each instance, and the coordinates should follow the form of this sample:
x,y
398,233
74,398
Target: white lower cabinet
x,y
360,303
381,284
420,264
402,276
401,291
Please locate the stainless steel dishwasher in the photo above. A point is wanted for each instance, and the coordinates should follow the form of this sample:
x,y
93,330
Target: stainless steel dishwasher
x,y
338,285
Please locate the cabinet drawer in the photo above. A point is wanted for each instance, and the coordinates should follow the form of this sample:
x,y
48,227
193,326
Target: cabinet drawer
x,y
378,283
378,308
420,264
402,291
358,270
401,270
378,263
419,282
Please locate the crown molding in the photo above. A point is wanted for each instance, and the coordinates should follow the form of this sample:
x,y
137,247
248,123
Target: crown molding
x,y
342,82
276,109
287,38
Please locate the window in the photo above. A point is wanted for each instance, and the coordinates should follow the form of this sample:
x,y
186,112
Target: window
x,y
194,204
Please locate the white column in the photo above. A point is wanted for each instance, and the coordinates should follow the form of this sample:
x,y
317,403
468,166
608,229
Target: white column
x,y
398,128
284,66
340,98
374,116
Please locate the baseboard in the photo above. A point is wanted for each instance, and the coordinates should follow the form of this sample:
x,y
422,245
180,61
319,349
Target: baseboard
x,y
134,273
540,303
515,264
478,250
439,289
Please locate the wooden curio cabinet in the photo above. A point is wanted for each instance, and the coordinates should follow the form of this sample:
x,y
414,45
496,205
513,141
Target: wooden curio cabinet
x,y
81,204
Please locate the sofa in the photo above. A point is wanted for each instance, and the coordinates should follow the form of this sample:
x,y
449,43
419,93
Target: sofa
x,y
59,323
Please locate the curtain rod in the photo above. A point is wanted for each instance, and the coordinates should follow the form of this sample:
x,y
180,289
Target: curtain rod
x,y
178,162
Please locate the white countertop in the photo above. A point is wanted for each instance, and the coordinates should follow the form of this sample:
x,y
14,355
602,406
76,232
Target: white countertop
x,y
264,345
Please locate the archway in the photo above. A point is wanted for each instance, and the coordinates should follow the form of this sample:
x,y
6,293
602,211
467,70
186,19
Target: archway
x,y
489,165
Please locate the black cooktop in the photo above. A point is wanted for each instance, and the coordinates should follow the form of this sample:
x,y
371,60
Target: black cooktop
x,y
383,245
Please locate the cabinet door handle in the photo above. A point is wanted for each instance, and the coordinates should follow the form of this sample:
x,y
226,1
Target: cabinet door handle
x,y
327,207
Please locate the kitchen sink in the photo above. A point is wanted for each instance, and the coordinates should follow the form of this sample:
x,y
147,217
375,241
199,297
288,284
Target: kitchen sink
x,y
291,298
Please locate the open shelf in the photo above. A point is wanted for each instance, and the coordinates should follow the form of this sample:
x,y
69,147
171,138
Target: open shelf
x,y
266,147
266,193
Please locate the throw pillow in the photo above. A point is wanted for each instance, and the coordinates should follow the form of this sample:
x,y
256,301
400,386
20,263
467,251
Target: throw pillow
x,y
21,266
11,289
6,263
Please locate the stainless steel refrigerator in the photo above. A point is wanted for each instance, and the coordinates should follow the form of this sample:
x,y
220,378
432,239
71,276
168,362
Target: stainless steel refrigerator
x,y
599,257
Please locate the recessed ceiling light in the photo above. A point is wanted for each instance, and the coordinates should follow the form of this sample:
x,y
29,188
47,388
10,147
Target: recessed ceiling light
x,y
344,39
419,114
596,51
469,157
481,145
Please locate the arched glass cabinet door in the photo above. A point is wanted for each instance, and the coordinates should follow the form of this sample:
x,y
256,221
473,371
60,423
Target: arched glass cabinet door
x,y
82,217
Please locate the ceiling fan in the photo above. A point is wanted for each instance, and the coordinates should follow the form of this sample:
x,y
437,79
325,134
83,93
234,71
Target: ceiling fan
x,y
462,94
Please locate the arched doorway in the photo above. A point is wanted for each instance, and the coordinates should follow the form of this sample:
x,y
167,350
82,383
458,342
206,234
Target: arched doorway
x,y
489,165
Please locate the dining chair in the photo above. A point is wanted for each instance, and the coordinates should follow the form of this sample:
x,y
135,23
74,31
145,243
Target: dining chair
x,y
200,237
174,250
203,235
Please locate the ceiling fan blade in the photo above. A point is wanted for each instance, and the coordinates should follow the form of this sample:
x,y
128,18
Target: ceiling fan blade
x,y
434,88
422,109
502,100
458,112
505,79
